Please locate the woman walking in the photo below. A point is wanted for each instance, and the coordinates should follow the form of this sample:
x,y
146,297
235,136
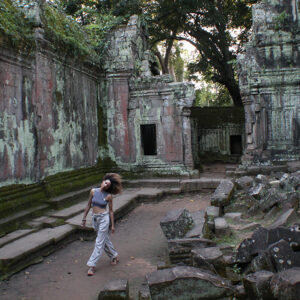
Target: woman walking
x,y
102,217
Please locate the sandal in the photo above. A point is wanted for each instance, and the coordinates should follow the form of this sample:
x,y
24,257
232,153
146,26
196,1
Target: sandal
x,y
115,260
91,271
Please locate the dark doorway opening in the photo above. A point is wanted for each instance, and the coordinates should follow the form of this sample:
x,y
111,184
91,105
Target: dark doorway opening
x,y
236,146
148,136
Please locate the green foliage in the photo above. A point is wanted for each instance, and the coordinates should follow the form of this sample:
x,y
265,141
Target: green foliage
x,y
15,25
209,26
213,95
280,20
65,33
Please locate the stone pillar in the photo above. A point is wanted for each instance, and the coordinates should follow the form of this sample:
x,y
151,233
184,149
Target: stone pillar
x,y
118,134
187,138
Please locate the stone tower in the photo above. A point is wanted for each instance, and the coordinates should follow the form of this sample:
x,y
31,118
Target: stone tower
x,y
269,75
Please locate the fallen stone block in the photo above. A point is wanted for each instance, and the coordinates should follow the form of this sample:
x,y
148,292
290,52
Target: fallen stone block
x,y
283,256
210,259
258,191
258,285
199,228
144,292
223,193
288,217
221,227
285,285
180,249
273,197
117,289
188,283
244,182
261,179
176,223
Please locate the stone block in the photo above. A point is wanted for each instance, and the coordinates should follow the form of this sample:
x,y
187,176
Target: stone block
x,y
117,289
258,285
286,218
180,249
176,223
223,193
244,182
186,282
283,256
144,292
285,285
209,258
221,227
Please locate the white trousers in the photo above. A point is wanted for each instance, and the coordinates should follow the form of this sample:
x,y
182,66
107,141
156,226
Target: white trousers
x,y
101,225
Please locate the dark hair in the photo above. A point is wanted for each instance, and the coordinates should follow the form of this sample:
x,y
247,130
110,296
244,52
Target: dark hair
x,y
116,183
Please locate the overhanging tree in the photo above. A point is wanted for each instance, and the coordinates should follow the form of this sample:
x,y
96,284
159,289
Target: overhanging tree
x,y
216,28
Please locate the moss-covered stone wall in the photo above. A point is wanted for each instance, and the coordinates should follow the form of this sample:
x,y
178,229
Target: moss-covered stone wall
x,y
269,75
50,95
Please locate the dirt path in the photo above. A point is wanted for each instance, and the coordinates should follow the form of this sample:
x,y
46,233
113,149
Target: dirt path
x,y
138,239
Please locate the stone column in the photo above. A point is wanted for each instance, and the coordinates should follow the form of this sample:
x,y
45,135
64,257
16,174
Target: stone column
x,y
187,138
118,133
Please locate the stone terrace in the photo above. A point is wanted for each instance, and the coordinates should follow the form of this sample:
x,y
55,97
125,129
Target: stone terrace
x,y
41,236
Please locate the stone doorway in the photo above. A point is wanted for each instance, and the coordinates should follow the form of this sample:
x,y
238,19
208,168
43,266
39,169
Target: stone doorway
x,y
148,139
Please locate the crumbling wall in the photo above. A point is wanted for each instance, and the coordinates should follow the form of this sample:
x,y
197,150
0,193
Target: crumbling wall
x,y
137,99
217,134
49,111
269,74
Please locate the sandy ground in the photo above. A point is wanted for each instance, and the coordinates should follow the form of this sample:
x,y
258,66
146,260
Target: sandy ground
x,y
138,239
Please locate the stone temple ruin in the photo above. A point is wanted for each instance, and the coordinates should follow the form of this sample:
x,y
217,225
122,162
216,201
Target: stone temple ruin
x,y
79,119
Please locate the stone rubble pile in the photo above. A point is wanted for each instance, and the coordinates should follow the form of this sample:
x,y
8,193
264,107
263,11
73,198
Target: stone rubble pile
x,y
260,213
265,265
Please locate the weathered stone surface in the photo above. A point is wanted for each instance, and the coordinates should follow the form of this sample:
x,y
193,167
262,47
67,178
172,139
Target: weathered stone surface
x,y
283,256
180,249
187,283
274,197
257,191
286,218
209,258
268,77
257,285
221,227
262,238
144,292
223,193
117,289
200,227
176,223
285,285
260,178
212,212
289,183
244,182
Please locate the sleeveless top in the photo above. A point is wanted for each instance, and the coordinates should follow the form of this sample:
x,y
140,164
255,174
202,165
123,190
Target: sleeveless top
x,y
99,198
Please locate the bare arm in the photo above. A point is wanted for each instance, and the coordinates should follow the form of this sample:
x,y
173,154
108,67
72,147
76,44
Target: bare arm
x,y
111,212
88,206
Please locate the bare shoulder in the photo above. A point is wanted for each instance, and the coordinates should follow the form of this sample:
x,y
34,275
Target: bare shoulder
x,y
109,197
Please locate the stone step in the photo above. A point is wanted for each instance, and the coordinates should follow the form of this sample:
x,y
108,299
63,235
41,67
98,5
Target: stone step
x,y
198,184
12,222
69,212
154,182
14,236
69,198
20,250
24,251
